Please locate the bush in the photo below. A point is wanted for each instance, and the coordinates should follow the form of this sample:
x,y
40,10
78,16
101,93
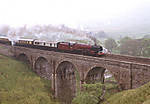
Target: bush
x,y
134,96
90,94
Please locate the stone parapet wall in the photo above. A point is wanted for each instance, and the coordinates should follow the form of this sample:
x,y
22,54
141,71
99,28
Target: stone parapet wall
x,y
140,74
134,59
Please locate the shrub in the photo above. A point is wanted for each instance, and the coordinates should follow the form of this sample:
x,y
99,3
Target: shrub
x,y
90,94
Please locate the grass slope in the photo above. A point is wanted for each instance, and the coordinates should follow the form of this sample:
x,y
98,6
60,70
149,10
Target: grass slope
x,y
19,85
139,95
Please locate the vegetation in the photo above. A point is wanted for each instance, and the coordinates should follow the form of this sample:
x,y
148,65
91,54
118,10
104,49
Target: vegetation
x,y
19,85
110,44
135,47
90,94
135,96
129,46
96,93
146,36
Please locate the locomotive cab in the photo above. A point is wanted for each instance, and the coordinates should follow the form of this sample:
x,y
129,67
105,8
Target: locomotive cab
x,y
99,50
103,51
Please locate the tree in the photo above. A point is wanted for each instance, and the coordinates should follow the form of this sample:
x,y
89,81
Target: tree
x,y
135,47
90,94
110,44
146,36
123,40
130,47
145,47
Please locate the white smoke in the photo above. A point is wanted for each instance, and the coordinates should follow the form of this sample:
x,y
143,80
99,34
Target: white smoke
x,y
49,33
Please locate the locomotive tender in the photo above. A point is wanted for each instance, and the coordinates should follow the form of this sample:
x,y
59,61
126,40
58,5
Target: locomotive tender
x,y
67,47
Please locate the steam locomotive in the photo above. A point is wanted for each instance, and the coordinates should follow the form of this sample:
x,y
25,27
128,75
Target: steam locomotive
x,y
67,47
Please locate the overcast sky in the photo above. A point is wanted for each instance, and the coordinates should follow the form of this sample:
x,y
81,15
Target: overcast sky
x,y
74,12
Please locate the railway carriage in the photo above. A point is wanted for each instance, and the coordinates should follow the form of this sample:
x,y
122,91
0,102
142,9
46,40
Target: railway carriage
x,y
45,43
5,40
25,42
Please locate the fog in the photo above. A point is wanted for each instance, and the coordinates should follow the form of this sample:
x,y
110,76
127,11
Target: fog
x,y
115,17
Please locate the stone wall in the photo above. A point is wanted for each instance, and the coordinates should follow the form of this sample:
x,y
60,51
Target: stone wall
x,y
140,74
141,60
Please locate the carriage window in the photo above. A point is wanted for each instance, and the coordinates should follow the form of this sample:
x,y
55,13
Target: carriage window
x,y
37,43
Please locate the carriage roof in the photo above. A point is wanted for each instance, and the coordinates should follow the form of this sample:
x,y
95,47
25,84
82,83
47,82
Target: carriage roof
x,y
26,39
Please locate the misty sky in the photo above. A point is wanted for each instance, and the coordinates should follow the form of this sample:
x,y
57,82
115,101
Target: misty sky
x,y
106,14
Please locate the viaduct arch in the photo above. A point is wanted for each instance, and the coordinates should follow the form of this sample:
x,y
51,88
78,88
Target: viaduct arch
x,y
23,57
96,74
66,80
43,68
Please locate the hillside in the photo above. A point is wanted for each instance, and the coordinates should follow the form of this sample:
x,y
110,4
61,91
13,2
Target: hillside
x,y
139,95
19,85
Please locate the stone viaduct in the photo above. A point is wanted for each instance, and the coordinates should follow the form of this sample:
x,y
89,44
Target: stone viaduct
x,y
68,71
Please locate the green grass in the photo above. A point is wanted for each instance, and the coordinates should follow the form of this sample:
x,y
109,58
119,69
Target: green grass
x,y
140,95
19,85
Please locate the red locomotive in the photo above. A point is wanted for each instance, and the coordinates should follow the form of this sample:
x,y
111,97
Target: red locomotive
x,y
80,48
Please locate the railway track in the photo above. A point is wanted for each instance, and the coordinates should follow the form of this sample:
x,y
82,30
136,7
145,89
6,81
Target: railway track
x,y
134,59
